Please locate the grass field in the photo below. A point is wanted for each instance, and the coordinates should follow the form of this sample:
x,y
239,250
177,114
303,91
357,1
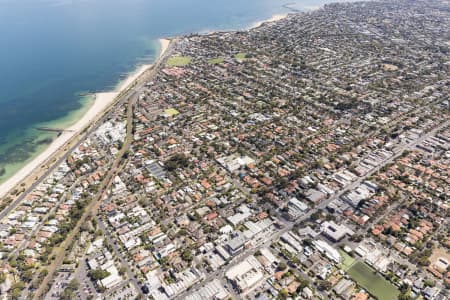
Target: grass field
x,y
178,61
215,61
376,285
240,56
347,262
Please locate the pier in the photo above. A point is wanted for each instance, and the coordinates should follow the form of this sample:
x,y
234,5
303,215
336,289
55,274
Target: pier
x,y
58,130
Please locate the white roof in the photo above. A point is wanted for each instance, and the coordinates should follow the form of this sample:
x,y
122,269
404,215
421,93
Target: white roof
x,y
242,268
268,255
111,281
226,229
329,251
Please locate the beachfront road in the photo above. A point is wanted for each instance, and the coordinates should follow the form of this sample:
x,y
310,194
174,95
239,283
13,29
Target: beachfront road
x,y
130,96
53,166
129,93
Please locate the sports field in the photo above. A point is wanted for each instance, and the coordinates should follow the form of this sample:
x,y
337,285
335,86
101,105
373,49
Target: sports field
x,y
178,61
369,279
240,56
347,260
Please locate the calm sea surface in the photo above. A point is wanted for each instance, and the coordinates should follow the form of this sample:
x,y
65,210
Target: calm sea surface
x,y
51,51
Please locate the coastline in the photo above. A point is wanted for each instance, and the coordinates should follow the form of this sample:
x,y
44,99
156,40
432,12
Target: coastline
x,y
256,24
102,101
274,18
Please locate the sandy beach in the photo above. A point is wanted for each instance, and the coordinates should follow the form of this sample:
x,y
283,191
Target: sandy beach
x,y
101,103
164,43
274,18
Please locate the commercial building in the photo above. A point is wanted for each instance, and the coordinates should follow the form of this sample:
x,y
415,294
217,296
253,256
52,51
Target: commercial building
x,y
335,232
245,274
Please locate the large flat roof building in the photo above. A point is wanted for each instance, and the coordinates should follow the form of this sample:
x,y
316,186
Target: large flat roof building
x,y
335,232
236,244
245,274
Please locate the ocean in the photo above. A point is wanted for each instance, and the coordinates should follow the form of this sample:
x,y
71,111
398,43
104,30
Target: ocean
x,y
53,52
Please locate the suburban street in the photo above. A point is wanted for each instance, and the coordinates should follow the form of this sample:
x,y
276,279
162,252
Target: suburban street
x,y
304,156
220,273
123,260
61,251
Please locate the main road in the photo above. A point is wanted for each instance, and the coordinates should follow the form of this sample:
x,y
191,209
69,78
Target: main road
x,y
61,252
93,127
131,95
121,99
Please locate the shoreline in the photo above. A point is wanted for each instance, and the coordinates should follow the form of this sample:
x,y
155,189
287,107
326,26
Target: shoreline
x,y
253,25
102,101
274,18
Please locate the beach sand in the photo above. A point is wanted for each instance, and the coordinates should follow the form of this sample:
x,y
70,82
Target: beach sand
x,y
274,18
256,24
101,103
164,43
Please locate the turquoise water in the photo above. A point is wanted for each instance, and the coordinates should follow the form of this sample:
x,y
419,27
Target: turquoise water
x,y
53,50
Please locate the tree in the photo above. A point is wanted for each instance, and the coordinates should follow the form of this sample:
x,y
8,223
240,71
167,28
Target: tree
x,y
429,283
356,238
69,291
187,255
284,294
16,289
179,160
98,274
122,270
324,285
27,275
18,285
307,242
73,284
423,261
281,182
163,261
182,232
67,294
405,293
15,293
303,283
315,216
282,266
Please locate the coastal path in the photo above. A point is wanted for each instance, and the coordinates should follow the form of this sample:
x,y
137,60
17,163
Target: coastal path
x,y
130,95
59,157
